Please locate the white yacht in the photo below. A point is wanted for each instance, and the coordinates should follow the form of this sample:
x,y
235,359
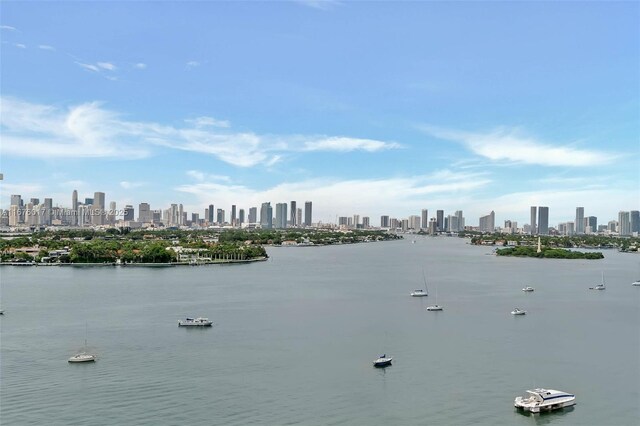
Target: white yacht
x,y
518,311
195,322
544,400
382,361
420,292
82,357
636,283
434,308
528,289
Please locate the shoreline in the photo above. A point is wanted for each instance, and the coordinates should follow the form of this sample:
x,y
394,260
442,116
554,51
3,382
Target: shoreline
x,y
137,265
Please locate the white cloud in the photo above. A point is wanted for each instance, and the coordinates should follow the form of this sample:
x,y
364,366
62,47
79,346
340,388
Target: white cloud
x,y
140,66
319,4
46,47
509,145
89,67
89,130
344,144
193,64
202,176
208,121
7,27
333,197
20,45
107,66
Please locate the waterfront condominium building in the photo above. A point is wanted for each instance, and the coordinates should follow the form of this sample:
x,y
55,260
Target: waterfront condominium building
x,y
624,223
128,213
299,216
634,220
233,215
365,222
384,221
281,215
440,220
240,217
533,227
97,214
543,220
579,220
592,223
424,218
488,222
253,215
266,216
220,216
307,213
212,213
294,210
414,222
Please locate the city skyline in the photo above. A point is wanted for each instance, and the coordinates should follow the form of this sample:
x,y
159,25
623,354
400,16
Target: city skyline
x,y
92,211
203,108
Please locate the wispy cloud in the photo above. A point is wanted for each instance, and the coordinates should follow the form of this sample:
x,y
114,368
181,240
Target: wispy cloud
x,y
140,66
319,4
20,45
192,64
46,47
343,144
203,176
89,130
504,144
7,27
106,65
208,122
89,67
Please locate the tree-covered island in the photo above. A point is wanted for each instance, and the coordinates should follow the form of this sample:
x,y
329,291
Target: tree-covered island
x,y
122,246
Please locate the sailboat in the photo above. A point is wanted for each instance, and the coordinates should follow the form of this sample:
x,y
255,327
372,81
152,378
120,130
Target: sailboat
x,y
435,307
420,292
599,286
83,356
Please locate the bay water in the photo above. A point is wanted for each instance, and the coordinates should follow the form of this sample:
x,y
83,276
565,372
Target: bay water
x,y
294,339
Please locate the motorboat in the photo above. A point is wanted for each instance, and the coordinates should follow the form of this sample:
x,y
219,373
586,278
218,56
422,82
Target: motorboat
x,y
382,361
419,293
544,400
518,311
599,286
195,322
636,283
434,308
528,289
82,357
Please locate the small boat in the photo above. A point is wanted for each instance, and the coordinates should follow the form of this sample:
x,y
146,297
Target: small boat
x,y
435,307
528,289
544,400
420,292
599,286
195,322
1,311
518,311
82,357
636,283
382,361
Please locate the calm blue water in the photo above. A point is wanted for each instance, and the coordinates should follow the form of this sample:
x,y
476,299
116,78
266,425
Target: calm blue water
x,y
294,339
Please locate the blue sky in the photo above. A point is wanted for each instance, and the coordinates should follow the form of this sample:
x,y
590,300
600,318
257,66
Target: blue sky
x,y
364,108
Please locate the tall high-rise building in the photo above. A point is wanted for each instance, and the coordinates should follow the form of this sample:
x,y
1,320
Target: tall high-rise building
x,y
307,213
74,207
212,213
488,222
293,214
129,213
253,215
111,214
579,220
592,222
624,223
425,218
414,222
384,221
299,216
266,216
440,220
240,217
144,213
543,221
47,213
98,210
458,214
634,220
366,222
220,216
16,200
533,227
88,201
233,215
281,215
